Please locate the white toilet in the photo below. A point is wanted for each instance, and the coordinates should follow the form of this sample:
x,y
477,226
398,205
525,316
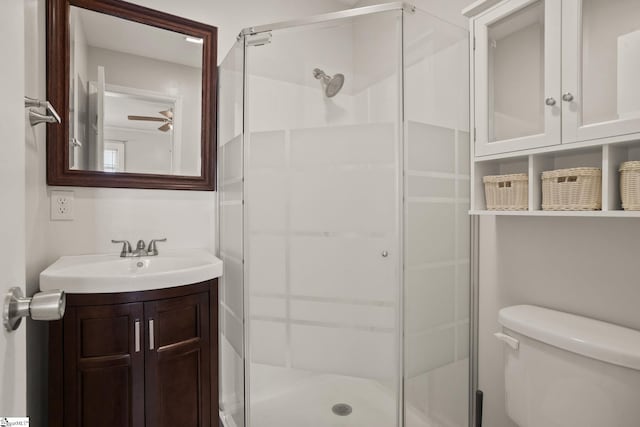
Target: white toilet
x,y
563,370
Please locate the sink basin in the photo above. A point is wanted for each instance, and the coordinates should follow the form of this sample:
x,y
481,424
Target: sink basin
x,y
109,273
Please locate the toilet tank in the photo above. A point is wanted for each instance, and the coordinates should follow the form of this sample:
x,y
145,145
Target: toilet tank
x,y
563,370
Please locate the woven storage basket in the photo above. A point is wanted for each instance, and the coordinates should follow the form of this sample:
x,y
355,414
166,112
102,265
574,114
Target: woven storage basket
x,y
507,192
630,186
576,189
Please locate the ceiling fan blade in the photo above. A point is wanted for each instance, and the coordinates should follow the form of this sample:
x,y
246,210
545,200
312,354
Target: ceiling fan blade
x,y
147,118
167,113
166,127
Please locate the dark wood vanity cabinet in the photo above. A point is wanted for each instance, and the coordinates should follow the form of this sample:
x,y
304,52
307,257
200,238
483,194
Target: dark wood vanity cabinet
x,y
135,359
103,372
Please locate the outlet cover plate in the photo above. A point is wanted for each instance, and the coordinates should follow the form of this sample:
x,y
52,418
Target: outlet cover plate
x,y
61,205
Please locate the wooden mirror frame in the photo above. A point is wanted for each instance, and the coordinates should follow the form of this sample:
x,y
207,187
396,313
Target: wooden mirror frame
x,y
58,63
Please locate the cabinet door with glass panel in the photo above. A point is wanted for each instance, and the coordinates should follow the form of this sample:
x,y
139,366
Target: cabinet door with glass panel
x,y
517,62
600,69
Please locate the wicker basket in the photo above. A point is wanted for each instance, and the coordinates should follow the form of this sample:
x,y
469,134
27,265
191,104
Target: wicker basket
x,y
507,192
576,189
630,186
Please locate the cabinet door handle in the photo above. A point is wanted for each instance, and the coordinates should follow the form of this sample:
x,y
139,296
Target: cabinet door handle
x,y
567,97
151,335
137,335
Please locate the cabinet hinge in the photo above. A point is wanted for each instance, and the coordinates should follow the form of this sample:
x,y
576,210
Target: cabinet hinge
x,y
474,42
475,134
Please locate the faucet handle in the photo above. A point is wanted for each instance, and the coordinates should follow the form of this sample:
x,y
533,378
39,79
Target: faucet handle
x,y
152,249
126,247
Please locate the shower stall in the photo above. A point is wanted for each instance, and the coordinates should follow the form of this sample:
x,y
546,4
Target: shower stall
x,y
343,190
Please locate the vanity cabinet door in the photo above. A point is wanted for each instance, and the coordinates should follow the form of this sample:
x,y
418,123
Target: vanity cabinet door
x,y
104,366
178,389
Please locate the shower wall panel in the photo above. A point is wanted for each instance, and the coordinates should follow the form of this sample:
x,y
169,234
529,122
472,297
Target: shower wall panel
x,y
437,222
230,246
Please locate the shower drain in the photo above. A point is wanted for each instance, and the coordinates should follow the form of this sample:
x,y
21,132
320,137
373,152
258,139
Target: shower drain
x,y
342,409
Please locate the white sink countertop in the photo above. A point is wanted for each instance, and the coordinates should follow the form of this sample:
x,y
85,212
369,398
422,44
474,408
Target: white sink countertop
x,y
110,273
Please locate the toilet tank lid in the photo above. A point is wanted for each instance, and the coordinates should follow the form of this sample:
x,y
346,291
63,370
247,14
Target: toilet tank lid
x,y
592,338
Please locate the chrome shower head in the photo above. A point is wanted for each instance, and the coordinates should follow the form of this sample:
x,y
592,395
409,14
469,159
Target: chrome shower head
x,y
332,84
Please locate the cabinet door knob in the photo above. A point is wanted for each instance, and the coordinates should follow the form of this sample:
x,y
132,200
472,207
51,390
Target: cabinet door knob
x,y
568,97
550,101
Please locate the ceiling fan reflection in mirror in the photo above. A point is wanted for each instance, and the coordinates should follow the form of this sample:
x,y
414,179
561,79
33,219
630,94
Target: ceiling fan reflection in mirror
x,y
167,120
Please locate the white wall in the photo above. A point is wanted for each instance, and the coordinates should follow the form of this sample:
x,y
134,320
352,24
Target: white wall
x,y
186,218
145,151
578,265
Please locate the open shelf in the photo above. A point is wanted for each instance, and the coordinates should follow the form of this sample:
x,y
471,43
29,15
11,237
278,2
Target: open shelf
x,y
608,157
591,214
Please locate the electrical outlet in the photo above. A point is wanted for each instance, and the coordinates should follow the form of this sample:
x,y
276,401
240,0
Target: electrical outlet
x,y
62,205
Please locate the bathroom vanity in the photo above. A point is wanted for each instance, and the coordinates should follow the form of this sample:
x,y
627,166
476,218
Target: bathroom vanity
x,y
142,356
135,358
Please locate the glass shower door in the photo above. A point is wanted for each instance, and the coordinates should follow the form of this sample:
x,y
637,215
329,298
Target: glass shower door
x,y
323,163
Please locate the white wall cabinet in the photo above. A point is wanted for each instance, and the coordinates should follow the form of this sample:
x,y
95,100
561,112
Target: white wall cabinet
x,y
551,72
556,84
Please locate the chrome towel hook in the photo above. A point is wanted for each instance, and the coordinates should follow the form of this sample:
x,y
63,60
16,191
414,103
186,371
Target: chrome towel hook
x,y
51,115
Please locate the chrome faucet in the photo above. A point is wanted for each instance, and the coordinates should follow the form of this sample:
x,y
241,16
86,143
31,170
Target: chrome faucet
x,y
141,250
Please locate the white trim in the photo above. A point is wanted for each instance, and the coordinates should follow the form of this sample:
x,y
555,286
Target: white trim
x,y
143,94
565,148
246,258
478,7
326,17
176,148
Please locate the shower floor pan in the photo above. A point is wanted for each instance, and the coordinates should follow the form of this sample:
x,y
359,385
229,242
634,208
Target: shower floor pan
x,y
293,398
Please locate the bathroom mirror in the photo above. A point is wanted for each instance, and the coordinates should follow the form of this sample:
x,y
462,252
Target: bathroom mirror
x,y
136,89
